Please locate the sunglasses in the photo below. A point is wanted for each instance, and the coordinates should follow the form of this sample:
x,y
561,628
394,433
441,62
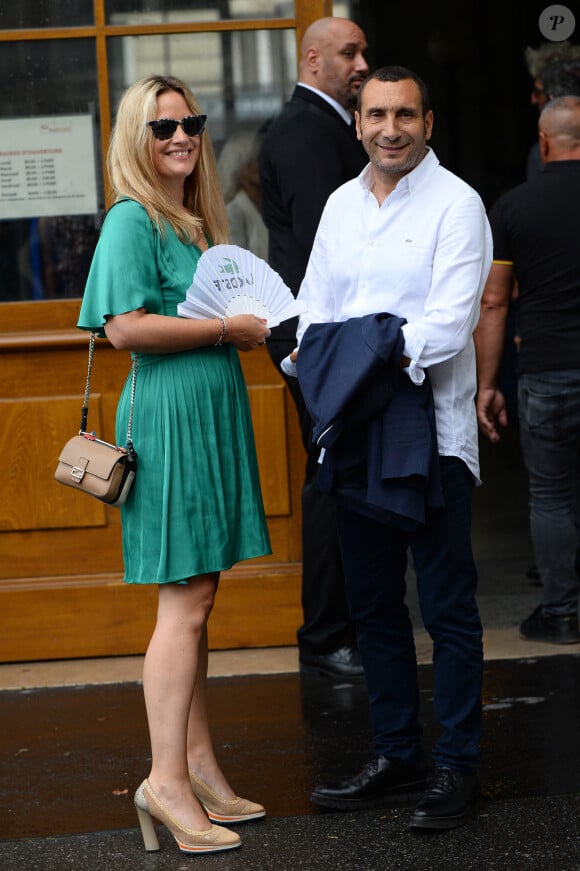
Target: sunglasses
x,y
165,128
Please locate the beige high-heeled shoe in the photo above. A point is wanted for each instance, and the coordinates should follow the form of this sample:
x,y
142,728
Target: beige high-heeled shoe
x,y
224,810
213,840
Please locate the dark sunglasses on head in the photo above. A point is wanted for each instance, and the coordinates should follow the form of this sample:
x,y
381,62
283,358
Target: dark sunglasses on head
x,y
165,128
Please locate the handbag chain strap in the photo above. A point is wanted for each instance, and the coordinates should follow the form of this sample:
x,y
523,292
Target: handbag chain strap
x,y
85,408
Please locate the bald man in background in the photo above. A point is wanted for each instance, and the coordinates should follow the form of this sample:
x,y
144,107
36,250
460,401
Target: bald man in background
x,y
535,239
309,150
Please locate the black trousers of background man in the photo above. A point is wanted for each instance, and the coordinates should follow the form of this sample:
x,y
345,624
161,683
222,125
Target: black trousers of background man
x,y
327,626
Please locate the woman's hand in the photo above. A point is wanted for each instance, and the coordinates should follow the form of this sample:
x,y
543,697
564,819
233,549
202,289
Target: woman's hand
x,y
246,332
160,334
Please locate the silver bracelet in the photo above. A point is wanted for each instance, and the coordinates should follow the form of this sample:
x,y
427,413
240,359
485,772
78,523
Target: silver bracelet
x,y
220,341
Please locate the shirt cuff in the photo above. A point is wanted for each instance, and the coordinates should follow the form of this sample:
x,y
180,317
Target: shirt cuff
x,y
414,344
288,367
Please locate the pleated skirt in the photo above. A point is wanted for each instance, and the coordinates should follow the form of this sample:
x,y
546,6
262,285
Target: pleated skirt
x,y
196,505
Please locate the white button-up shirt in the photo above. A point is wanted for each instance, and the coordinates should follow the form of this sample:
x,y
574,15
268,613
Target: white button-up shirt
x,y
424,255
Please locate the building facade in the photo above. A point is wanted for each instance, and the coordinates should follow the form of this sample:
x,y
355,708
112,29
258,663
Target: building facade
x,y
63,67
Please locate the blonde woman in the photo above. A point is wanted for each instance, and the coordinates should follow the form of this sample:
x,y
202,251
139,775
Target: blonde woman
x,y
196,506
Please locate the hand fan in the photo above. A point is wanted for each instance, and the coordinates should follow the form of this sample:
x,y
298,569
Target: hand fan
x,y
230,280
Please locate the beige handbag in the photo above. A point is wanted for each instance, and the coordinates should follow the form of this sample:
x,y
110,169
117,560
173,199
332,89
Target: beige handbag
x,y
96,467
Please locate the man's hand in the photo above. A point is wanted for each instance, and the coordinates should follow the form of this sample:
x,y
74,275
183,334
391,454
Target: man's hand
x,y
489,337
491,411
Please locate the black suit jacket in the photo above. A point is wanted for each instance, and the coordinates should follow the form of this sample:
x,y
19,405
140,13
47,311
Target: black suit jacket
x,y
307,153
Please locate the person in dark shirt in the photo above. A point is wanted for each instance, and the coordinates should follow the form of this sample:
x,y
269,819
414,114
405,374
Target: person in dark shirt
x,y
309,151
537,61
535,234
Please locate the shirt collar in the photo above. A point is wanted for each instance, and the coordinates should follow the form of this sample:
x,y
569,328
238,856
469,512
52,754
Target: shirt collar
x,y
346,116
411,180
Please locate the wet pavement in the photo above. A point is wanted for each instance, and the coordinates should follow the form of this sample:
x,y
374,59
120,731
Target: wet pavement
x,y
72,757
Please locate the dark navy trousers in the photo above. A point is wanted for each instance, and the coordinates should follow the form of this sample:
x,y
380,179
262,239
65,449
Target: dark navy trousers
x,y
375,557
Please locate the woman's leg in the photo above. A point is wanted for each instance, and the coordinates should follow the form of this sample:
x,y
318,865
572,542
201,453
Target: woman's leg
x,y
200,753
175,666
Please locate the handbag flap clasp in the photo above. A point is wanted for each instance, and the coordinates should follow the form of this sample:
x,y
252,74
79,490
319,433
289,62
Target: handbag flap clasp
x,y
78,470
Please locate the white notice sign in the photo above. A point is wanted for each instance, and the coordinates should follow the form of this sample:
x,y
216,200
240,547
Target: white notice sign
x,y
47,167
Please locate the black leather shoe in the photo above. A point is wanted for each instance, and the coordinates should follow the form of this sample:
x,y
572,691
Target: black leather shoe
x,y
344,662
551,629
446,801
382,781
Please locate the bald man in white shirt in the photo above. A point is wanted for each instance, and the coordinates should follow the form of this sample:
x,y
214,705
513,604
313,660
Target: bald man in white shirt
x,y
409,238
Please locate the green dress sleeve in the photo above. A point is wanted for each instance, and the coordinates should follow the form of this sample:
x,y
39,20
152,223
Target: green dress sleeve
x,y
124,273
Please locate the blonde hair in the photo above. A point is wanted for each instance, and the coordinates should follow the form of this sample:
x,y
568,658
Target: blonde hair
x,y
132,172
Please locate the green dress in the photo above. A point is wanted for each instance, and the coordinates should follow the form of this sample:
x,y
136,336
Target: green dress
x,y
196,504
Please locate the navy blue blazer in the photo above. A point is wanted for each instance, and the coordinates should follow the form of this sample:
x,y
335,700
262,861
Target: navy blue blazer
x,y
376,426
